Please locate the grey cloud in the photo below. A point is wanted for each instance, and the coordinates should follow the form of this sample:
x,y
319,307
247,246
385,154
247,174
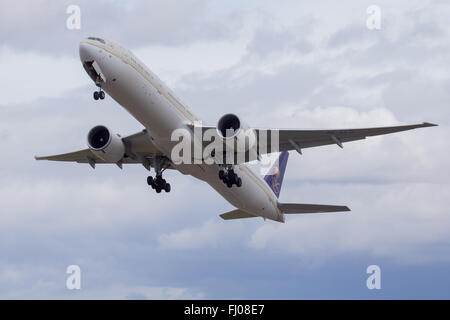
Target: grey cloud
x,y
42,26
250,94
349,35
269,40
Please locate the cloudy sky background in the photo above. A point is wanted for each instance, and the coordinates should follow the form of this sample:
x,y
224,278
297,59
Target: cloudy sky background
x,y
288,64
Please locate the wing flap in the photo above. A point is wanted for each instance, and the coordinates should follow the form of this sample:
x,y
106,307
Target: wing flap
x,y
291,208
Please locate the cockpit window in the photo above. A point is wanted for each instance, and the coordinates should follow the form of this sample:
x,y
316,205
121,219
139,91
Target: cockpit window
x,y
97,39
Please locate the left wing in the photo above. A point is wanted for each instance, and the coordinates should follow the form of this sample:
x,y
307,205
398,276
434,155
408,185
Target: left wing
x,y
297,139
138,149
300,139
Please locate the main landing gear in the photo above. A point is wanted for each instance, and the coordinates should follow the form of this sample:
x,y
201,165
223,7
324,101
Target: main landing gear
x,y
158,183
230,178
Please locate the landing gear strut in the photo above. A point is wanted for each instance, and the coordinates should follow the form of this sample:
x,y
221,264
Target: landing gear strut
x,y
229,177
100,94
158,183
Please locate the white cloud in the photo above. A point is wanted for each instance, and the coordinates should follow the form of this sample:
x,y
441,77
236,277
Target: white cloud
x,y
172,63
31,75
211,234
396,221
262,62
40,284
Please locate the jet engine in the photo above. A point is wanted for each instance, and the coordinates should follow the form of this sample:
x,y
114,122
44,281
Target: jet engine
x,y
106,145
236,133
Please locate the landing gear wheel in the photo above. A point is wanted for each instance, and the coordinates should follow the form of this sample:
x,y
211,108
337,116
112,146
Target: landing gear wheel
x,y
101,95
230,178
167,187
150,181
158,190
96,95
160,182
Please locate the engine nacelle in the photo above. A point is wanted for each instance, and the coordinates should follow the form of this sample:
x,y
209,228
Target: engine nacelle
x,y
105,145
236,133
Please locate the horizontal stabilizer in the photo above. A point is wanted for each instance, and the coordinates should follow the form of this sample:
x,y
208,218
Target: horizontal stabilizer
x,y
236,214
309,208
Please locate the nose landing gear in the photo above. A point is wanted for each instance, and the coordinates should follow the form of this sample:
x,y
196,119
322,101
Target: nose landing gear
x,y
99,94
230,178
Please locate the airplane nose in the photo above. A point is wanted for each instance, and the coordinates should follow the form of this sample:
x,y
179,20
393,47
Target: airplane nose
x,y
85,52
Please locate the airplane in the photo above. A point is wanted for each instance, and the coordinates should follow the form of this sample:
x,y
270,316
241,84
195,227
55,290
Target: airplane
x,y
116,71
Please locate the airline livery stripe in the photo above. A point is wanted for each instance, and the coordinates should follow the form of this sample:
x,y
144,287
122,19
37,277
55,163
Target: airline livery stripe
x,y
182,110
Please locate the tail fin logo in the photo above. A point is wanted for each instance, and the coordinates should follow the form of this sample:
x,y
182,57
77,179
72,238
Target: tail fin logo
x,y
274,177
276,187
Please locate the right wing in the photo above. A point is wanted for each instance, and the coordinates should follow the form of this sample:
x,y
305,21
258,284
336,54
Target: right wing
x,y
309,208
139,148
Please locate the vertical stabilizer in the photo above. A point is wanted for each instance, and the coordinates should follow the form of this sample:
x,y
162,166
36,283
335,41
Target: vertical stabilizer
x,y
274,177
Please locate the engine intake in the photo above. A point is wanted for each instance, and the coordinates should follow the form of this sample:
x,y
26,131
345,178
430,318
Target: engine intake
x,y
236,133
105,145
229,125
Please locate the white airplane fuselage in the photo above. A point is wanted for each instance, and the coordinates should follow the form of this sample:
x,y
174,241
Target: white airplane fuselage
x,y
129,82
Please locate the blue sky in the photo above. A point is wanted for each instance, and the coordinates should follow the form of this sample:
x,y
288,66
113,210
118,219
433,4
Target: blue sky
x,y
291,65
